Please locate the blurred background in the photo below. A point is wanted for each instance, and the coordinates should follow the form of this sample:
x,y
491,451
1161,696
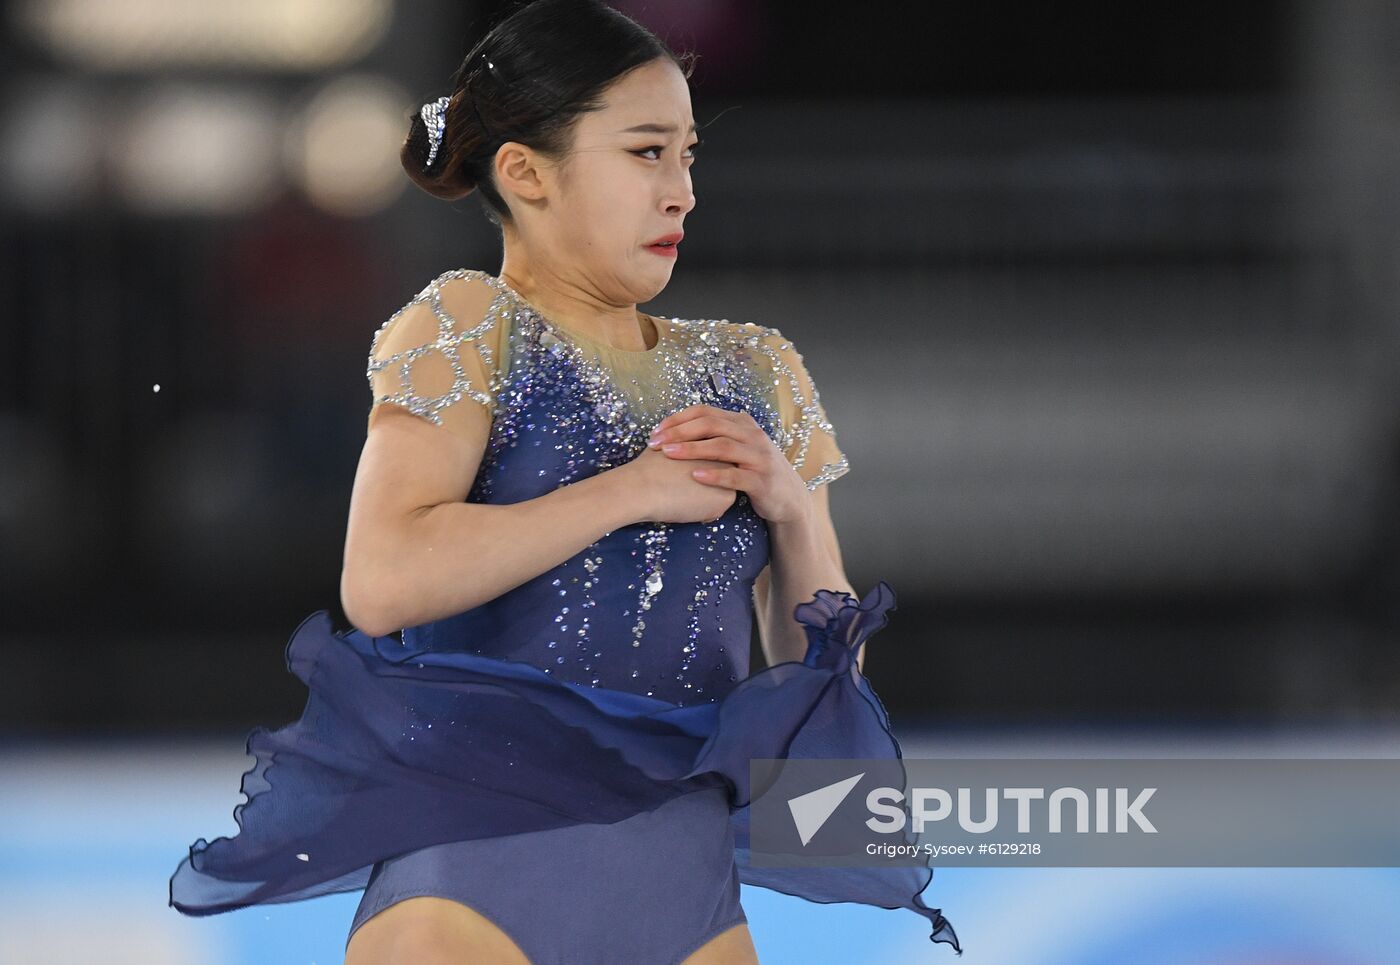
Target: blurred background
x,y
1103,302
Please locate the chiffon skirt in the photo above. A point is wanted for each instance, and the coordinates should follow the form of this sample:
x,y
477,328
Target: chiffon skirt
x,y
398,751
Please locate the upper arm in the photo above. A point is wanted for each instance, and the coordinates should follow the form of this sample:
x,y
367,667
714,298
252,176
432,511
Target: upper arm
x,y
821,512
808,437
433,372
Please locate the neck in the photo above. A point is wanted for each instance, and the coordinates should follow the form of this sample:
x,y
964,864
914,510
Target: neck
x,y
568,305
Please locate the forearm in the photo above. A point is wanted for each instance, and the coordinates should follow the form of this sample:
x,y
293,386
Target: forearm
x,y
799,565
451,557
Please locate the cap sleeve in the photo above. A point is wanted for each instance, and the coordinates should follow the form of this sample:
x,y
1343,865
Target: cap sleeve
x,y
439,356
808,438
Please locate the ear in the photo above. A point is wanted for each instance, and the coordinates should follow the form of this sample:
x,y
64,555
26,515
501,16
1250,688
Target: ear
x,y
519,171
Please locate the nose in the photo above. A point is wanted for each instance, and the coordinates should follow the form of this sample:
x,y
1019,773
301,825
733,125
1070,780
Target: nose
x,y
681,206
682,198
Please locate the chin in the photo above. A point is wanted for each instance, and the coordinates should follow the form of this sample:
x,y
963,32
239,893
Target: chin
x,y
647,293
649,287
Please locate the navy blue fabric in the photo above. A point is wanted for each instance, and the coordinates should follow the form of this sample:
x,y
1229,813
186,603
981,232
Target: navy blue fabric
x,y
650,889
478,727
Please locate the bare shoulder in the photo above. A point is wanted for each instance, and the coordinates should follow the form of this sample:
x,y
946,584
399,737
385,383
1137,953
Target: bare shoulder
x,y
470,298
470,282
445,345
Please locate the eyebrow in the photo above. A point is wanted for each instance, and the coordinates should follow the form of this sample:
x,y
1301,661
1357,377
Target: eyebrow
x,y
655,129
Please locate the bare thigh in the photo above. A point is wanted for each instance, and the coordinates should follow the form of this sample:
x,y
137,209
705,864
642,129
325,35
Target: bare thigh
x,y
731,947
432,931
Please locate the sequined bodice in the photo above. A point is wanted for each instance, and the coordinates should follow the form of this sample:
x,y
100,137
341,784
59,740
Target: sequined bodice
x,y
662,609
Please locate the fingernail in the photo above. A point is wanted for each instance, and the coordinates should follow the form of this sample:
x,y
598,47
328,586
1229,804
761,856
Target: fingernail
x,y
670,447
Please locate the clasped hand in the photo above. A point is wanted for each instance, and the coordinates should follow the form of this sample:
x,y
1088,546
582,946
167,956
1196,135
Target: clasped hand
x,y
756,465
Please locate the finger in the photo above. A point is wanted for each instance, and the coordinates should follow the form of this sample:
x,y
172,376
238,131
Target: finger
x,y
718,448
711,425
726,477
685,415
679,416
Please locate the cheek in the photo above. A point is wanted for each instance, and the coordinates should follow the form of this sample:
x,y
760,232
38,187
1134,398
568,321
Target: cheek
x,y
609,231
617,202
607,212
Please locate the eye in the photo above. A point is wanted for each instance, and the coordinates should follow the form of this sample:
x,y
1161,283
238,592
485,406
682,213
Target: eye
x,y
661,147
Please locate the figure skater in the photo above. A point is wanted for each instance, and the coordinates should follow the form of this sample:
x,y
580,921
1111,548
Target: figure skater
x,y
574,512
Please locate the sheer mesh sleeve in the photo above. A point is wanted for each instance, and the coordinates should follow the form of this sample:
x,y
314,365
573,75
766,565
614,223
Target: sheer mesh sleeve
x,y
809,440
439,356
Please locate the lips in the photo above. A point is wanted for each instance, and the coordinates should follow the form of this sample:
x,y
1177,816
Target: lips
x,y
668,241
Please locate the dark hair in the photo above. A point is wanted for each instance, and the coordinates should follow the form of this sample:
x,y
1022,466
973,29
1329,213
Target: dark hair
x,y
528,80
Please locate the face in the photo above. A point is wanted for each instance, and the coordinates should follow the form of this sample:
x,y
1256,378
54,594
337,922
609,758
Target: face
x,y
589,218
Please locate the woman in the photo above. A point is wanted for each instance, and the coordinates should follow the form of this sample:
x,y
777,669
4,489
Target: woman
x,y
552,765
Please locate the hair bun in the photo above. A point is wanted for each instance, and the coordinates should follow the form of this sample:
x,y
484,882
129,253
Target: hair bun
x,y
444,178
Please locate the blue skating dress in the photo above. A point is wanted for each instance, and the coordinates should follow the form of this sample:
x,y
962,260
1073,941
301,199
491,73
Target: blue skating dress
x,y
571,758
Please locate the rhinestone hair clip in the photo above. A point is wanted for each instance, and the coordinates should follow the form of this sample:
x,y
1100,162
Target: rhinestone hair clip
x,y
434,114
